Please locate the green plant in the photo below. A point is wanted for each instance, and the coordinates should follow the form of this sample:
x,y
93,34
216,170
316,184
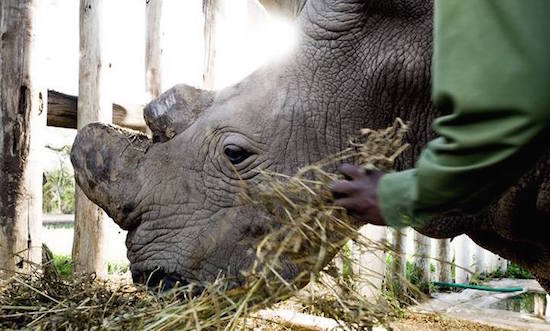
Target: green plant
x,y
59,187
117,267
347,271
64,265
453,269
58,192
414,276
517,272
479,278
496,274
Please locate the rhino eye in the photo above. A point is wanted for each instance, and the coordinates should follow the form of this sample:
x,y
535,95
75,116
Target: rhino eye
x,y
236,154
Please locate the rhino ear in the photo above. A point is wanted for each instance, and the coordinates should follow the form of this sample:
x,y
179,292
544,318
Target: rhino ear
x,y
175,110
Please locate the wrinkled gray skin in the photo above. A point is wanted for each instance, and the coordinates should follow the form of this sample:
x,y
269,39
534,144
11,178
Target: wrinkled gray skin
x,y
358,64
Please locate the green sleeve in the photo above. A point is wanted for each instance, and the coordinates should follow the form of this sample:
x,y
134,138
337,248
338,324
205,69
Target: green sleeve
x,y
491,70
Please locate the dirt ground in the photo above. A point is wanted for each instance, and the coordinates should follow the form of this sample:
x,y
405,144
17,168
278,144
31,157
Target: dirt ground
x,y
410,322
429,322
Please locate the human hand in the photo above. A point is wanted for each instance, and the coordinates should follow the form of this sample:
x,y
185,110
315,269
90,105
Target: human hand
x,y
358,195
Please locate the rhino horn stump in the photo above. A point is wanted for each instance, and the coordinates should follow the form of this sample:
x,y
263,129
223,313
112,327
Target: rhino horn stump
x,y
105,159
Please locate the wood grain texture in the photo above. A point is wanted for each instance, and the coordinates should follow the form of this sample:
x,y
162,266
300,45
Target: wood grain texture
x,y
93,106
399,260
62,112
444,260
422,246
209,8
153,48
22,119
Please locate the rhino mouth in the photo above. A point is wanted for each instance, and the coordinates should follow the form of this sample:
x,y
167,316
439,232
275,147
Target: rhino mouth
x,y
160,279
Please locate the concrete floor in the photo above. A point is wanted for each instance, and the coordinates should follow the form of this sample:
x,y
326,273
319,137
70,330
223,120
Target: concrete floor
x,y
472,305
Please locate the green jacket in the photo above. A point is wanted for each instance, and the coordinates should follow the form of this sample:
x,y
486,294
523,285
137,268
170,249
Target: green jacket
x,y
491,71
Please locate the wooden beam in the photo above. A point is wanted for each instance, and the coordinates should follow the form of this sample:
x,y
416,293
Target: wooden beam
x,y
93,106
22,120
62,112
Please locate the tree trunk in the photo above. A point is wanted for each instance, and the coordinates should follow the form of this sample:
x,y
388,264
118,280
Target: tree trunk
x,y
422,260
209,8
22,119
93,106
153,50
444,260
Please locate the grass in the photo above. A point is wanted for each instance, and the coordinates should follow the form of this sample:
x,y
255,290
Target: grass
x,y
64,265
59,226
517,272
513,271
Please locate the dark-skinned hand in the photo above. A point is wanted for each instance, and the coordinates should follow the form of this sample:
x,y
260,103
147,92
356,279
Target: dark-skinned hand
x,y
358,194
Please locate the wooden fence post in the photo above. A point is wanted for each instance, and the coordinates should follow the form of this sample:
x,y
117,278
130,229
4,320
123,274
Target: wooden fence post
x,y
22,119
479,264
93,106
370,260
153,49
502,264
422,260
547,312
209,8
443,260
399,260
463,259
491,259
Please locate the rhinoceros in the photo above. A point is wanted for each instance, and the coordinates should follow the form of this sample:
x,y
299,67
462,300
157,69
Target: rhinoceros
x,y
358,64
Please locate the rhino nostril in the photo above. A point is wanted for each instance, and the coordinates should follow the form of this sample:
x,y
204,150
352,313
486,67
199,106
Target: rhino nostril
x,y
255,230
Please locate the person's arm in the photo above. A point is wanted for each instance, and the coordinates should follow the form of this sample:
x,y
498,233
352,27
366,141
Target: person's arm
x,y
491,69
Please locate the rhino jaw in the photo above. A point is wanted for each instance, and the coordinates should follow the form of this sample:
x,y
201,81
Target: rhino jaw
x,y
106,160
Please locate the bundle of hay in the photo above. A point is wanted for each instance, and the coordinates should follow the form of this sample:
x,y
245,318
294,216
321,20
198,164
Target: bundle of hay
x,y
310,231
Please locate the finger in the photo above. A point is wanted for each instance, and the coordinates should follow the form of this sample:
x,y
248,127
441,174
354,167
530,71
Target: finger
x,y
351,171
342,187
347,203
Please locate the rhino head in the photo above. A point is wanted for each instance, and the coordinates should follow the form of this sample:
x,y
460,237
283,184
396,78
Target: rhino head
x,y
358,64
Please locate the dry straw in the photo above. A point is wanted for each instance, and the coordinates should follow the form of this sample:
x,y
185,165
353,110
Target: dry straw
x,y
308,232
